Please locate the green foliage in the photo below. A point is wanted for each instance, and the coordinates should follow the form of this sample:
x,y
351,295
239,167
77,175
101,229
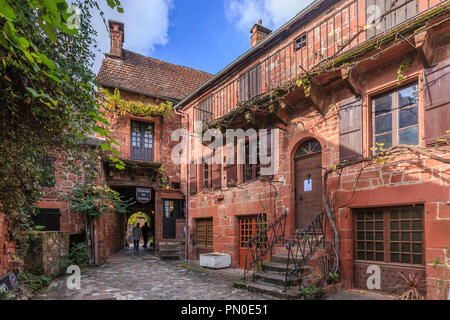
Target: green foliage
x,y
333,276
133,219
33,282
48,97
136,108
402,68
95,200
313,292
79,255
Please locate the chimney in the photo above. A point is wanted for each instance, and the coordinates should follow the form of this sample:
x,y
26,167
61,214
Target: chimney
x,y
116,30
259,33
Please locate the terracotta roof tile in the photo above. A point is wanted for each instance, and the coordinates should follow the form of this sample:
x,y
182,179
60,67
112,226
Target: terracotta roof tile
x,y
150,76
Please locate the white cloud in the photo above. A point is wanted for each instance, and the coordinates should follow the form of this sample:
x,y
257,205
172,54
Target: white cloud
x,y
146,25
274,13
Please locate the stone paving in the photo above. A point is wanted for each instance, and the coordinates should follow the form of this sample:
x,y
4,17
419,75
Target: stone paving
x,y
142,276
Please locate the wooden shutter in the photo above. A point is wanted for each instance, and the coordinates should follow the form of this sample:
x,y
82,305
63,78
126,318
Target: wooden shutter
x,y
232,170
437,102
217,176
269,148
243,88
350,133
192,179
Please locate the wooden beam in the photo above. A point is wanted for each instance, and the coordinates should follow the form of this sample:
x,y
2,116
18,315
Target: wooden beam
x,y
281,114
317,95
425,48
352,80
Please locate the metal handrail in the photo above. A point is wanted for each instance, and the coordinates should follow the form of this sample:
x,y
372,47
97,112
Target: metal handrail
x,y
263,243
305,244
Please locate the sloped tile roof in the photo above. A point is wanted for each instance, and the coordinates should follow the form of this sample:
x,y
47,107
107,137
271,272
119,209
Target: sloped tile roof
x,y
150,76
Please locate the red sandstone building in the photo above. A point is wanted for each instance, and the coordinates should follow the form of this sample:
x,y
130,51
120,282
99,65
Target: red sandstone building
x,y
145,148
395,214
329,79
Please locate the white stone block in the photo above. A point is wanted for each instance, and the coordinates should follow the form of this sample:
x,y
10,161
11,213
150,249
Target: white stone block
x,y
215,260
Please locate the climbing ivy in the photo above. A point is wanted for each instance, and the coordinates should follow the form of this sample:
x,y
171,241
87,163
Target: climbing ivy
x,y
137,108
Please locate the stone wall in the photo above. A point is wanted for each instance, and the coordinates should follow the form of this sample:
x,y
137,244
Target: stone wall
x,y
68,173
46,251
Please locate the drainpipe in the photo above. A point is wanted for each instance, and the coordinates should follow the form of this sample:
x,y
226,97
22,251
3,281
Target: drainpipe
x,y
186,201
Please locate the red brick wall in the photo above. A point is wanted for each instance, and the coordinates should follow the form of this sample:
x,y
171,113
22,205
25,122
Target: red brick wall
x,y
109,224
6,247
121,128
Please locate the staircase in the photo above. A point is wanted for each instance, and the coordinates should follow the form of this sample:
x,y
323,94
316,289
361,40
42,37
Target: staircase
x,y
170,251
271,279
292,265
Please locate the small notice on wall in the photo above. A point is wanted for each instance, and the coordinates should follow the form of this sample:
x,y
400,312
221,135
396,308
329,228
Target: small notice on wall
x,y
307,185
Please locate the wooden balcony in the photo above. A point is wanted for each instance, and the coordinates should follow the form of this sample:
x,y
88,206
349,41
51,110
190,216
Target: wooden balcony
x,y
336,32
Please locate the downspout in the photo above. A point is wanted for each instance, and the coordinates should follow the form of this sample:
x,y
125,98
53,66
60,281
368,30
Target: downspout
x,y
186,201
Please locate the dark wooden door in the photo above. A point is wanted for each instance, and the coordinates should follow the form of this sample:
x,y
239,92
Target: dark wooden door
x,y
308,185
169,220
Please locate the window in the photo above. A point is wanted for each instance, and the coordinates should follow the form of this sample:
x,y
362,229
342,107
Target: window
x,y
207,175
393,235
250,227
175,185
252,171
395,117
48,218
204,232
174,209
309,147
300,42
48,178
142,141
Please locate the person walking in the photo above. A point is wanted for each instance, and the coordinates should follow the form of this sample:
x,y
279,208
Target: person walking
x,y
145,234
137,235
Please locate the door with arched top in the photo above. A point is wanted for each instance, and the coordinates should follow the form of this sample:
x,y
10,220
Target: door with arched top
x,y
308,183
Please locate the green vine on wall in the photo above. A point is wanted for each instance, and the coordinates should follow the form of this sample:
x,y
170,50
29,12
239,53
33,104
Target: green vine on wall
x,y
405,64
113,101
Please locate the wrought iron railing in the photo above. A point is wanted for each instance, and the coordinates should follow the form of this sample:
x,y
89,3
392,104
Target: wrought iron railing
x,y
337,32
261,245
305,244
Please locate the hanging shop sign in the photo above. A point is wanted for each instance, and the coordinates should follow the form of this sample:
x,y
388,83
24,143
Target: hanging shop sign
x,y
143,195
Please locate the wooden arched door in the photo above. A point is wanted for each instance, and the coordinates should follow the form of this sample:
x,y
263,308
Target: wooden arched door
x,y
308,183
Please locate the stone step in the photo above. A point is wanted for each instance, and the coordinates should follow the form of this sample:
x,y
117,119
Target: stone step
x,y
282,258
275,278
284,250
170,257
270,289
168,245
169,250
275,267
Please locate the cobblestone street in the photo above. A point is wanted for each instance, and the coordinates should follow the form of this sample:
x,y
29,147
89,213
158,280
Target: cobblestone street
x,y
142,276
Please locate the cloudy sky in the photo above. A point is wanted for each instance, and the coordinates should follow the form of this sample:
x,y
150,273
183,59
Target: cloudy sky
x,y
202,34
